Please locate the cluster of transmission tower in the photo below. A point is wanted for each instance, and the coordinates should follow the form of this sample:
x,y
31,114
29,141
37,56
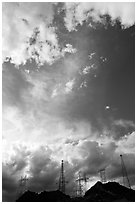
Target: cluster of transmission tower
x,y
80,181
83,179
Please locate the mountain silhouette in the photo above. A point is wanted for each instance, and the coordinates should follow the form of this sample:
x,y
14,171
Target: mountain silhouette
x,y
45,196
107,192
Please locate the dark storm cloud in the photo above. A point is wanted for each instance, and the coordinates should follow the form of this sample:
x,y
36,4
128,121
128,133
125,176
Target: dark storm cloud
x,y
44,171
40,159
95,157
9,187
39,165
12,172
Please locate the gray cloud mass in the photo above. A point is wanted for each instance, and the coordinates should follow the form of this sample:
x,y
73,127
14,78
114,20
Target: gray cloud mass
x,y
68,93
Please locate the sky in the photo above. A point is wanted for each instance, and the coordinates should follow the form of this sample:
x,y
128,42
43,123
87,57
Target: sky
x,y
68,93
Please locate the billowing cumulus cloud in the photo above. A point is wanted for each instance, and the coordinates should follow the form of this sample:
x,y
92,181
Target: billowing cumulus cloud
x,y
28,33
43,170
40,41
77,13
16,19
55,103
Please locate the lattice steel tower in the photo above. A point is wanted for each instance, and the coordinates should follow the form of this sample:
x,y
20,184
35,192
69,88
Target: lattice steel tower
x,y
79,190
102,173
22,185
124,173
62,178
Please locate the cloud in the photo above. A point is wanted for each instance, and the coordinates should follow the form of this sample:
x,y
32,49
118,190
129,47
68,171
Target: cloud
x,y
14,84
114,170
127,144
40,40
28,33
41,163
122,127
65,118
69,85
86,70
9,186
69,48
124,123
77,13
44,170
56,112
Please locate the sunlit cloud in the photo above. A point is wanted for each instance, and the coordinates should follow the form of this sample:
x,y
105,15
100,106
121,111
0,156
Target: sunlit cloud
x,y
63,93
77,13
39,41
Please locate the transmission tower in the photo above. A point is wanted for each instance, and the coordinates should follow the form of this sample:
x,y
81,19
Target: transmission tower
x,y
124,172
79,191
62,178
102,173
80,182
85,179
22,185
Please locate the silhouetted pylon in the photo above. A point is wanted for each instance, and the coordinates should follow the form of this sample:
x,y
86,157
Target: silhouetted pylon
x,y
124,172
22,185
62,179
102,173
79,191
85,179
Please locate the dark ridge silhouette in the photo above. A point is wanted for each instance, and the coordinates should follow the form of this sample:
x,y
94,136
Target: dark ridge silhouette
x,y
108,192
28,196
54,196
45,196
